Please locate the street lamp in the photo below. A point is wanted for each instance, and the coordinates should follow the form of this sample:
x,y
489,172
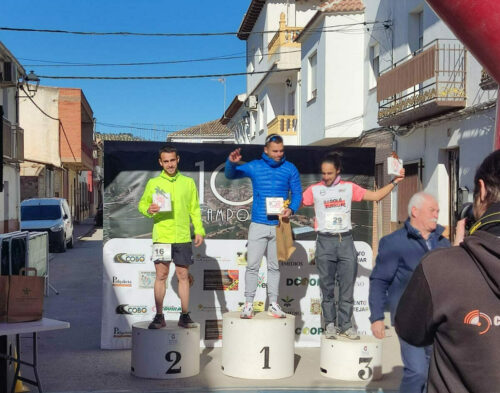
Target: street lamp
x,y
32,77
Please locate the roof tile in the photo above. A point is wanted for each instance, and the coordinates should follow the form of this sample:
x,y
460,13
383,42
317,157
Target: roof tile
x,y
342,6
212,128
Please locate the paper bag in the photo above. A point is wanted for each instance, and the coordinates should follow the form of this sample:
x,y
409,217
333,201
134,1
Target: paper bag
x,y
25,299
284,240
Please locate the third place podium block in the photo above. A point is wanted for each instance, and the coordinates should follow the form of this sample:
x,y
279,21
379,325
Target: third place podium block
x,y
351,360
258,348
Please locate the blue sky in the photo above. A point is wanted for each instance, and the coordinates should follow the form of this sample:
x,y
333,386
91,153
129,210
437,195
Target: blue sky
x,y
165,104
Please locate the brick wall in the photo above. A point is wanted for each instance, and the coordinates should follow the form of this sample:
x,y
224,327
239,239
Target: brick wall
x,y
29,187
71,124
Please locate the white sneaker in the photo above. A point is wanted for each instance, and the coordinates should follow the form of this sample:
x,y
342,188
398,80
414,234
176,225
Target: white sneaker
x,y
350,333
247,311
275,311
331,330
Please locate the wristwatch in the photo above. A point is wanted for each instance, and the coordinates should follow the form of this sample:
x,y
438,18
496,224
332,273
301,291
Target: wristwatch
x,y
394,183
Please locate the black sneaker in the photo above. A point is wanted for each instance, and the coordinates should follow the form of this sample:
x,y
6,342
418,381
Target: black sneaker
x,y
158,322
185,321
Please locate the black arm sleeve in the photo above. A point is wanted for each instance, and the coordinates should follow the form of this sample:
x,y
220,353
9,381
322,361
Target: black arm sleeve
x,y
414,314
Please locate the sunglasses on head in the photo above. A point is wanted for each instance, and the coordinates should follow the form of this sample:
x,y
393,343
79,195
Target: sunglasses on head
x,y
274,138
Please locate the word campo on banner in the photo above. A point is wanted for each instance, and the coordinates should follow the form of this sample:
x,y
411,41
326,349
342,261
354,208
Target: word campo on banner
x,y
241,215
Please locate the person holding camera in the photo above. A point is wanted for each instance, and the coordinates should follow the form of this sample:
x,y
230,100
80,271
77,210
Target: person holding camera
x,y
453,299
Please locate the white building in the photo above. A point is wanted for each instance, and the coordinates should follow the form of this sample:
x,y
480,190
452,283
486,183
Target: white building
x,y
11,72
431,92
387,74
271,101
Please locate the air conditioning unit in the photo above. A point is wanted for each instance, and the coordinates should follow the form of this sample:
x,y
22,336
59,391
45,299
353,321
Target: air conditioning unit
x,y
8,74
251,103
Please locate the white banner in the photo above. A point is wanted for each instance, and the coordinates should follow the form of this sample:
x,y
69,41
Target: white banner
x,y
218,286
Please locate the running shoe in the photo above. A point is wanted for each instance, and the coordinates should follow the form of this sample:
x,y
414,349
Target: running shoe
x,y
185,321
275,310
158,322
331,330
247,311
350,333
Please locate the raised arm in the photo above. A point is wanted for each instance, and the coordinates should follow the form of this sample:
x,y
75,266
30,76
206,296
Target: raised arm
x,y
233,170
384,191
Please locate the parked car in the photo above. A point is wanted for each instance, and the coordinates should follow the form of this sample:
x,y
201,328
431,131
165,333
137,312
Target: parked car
x,y
51,215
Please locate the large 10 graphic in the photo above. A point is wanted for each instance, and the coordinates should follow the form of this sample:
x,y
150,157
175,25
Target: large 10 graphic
x,y
201,186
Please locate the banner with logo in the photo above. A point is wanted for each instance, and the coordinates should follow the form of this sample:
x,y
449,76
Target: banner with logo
x,y
220,263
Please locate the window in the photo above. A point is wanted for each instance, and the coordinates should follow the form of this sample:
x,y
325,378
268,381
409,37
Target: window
x,y
416,30
251,59
374,65
311,77
291,103
420,18
258,55
261,117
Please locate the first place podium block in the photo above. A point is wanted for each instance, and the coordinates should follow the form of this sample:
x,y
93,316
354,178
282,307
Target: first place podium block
x,y
258,348
167,353
351,360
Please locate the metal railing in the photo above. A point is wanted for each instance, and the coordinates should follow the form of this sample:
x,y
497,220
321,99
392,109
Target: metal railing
x,y
283,124
437,72
284,36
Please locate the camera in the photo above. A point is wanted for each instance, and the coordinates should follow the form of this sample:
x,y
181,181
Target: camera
x,y
467,213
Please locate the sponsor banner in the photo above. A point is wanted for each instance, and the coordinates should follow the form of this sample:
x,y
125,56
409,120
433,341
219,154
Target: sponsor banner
x,y
220,280
218,288
220,263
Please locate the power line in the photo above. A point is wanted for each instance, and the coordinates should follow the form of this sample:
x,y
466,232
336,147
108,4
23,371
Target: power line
x,y
70,64
164,76
129,33
112,125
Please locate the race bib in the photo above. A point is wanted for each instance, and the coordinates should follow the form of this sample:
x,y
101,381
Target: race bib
x,y
274,206
162,252
336,222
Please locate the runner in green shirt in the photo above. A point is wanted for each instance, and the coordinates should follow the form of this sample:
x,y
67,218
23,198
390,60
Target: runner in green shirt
x,y
171,200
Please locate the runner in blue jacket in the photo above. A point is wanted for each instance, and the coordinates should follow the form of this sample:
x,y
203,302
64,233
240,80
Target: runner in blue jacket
x,y
273,179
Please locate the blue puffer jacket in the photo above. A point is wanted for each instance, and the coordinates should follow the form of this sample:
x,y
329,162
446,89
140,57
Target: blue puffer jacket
x,y
399,254
269,179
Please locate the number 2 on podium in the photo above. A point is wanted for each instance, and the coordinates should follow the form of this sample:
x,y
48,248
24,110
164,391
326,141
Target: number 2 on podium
x,y
176,358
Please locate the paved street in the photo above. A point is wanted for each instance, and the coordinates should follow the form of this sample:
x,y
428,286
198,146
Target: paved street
x,y
71,360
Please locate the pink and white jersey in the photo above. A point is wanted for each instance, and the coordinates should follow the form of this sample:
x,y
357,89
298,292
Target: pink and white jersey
x,y
332,205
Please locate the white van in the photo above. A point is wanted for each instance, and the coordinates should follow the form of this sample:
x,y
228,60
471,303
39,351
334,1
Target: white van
x,y
51,215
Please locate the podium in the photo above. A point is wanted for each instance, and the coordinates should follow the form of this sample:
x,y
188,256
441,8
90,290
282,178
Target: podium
x,y
167,353
351,360
258,348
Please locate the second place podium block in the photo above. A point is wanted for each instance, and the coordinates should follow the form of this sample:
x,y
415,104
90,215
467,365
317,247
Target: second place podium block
x,y
167,353
258,348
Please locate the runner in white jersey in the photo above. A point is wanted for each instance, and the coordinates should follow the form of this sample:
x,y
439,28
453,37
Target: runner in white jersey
x,y
335,252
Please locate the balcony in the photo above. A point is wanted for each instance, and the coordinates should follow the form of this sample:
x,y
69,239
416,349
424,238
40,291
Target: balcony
x,y
283,125
282,49
13,141
429,83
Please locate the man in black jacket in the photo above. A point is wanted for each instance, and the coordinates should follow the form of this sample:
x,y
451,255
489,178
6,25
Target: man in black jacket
x,y
453,299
